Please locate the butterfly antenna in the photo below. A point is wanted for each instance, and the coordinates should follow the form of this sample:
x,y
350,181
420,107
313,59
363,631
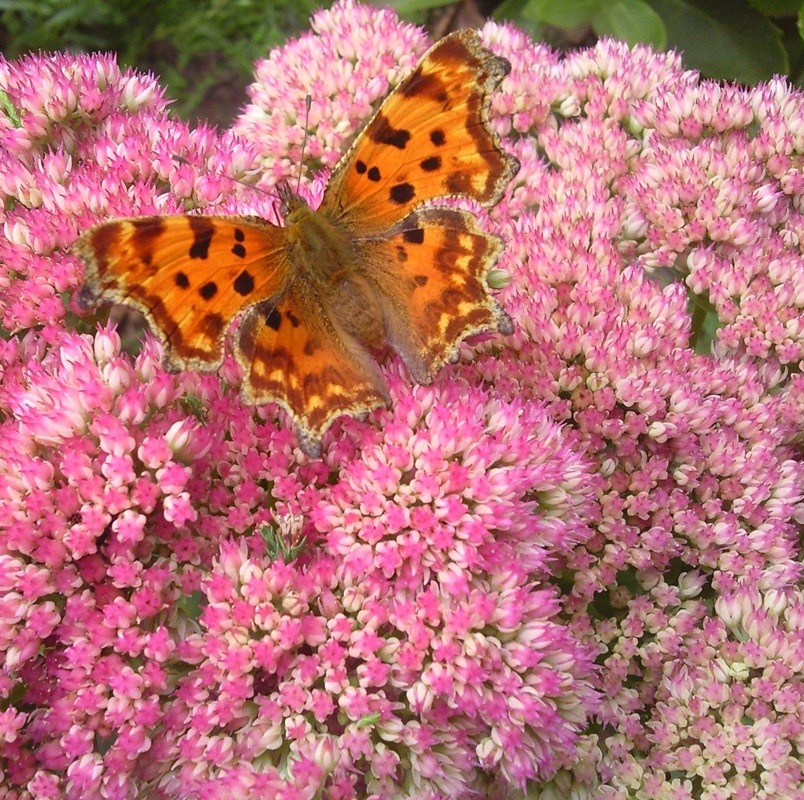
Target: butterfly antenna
x,y
308,102
182,160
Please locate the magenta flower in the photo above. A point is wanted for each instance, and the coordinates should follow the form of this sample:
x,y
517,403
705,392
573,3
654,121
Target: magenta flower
x,y
571,564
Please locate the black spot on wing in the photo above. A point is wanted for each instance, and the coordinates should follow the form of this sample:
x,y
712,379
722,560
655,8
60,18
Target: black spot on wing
x,y
437,137
146,234
459,182
402,193
374,174
202,230
181,280
293,319
273,319
238,250
146,230
414,236
420,84
244,283
360,167
384,133
208,290
431,164
212,325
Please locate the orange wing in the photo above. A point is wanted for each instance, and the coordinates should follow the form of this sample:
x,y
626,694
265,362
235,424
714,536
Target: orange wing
x,y
189,275
429,139
296,354
431,274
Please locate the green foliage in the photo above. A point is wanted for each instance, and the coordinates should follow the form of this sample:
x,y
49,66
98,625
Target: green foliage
x,y
8,108
195,45
632,21
282,542
192,44
193,404
191,605
739,40
725,39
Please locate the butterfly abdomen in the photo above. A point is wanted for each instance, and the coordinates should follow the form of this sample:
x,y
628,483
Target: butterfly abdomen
x,y
324,254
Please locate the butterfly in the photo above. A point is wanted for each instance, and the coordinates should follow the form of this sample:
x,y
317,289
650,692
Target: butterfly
x,y
376,265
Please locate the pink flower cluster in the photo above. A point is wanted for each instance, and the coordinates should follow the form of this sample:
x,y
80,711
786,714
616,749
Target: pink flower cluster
x,y
411,623
691,585
87,142
347,64
572,564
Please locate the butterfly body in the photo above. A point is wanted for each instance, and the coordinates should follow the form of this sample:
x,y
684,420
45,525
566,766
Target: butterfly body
x,y
317,246
377,264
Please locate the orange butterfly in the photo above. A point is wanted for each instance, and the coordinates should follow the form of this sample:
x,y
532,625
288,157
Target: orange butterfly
x,y
373,265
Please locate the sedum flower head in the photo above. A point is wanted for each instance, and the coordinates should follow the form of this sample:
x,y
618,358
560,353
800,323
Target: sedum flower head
x,y
570,565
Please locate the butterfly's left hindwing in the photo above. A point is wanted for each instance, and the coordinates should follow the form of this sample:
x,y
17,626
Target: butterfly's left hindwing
x,y
297,355
189,275
430,272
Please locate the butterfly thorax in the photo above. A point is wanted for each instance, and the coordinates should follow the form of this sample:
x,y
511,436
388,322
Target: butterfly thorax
x,y
317,246
323,255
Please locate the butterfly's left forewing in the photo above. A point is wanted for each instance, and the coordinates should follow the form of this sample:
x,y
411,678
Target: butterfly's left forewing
x,y
431,138
189,276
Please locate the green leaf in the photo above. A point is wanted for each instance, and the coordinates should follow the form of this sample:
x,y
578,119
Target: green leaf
x,y
9,109
776,8
191,604
279,545
705,324
632,21
565,13
194,405
412,6
525,13
723,39
64,17
794,46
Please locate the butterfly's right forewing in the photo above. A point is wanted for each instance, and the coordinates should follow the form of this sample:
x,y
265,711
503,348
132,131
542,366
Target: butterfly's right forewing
x,y
430,139
189,275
